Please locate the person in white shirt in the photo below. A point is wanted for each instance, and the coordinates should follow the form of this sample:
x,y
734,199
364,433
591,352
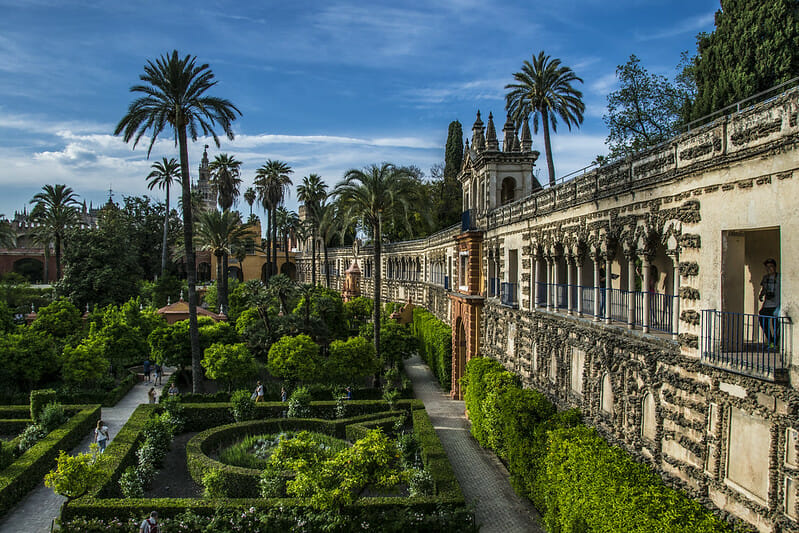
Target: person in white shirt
x,y
101,435
150,524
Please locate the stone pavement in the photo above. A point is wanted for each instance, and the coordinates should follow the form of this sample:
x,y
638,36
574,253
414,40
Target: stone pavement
x,y
483,478
37,511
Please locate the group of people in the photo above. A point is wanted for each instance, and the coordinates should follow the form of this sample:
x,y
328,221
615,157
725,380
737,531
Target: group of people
x,y
258,393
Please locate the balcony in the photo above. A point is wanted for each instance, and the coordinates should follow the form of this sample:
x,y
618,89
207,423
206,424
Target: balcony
x,y
509,295
753,345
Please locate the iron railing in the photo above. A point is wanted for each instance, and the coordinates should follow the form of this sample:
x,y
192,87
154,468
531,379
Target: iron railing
x,y
587,296
446,282
509,294
541,293
754,345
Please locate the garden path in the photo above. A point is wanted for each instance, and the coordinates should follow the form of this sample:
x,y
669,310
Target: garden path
x,y
37,511
483,478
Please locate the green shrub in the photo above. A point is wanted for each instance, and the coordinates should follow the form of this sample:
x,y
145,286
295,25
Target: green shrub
x,y
131,483
299,403
8,454
32,434
272,483
40,398
435,345
242,406
52,416
420,483
295,359
214,484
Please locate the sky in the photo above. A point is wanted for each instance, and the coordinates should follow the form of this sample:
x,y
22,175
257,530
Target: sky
x,y
323,86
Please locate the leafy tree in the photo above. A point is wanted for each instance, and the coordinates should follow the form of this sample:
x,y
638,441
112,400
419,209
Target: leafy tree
x,y
166,289
312,192
174,97
75,475
272,182
163,175
370,195
397,343
8,238
544,87
221,234
28,358
60,319
358,310
295,359
754,47
327,309
351,360
643,112
171,344
86,362
229,363
6,318
447,191
56,209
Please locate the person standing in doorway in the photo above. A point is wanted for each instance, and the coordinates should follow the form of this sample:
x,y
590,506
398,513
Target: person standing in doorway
x,y
770,296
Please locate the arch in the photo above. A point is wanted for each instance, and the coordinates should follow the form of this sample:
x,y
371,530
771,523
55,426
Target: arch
x,y
265,272
290,270
459,355
648,421
553,368
606,397
204,272
577,364
235,272
30,268
508,190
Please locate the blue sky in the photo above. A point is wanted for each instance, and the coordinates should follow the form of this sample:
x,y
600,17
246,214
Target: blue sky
x,y
323,86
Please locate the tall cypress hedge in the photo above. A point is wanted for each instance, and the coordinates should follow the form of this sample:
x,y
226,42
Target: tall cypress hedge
x,y
435,345
571,474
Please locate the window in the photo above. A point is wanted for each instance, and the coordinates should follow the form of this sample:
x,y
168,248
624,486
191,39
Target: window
x,y
507,194
463,270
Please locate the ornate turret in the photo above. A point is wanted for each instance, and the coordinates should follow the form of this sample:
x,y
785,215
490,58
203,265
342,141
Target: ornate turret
x,y
527,140
204,185
516,145
508,130
478,137
491,134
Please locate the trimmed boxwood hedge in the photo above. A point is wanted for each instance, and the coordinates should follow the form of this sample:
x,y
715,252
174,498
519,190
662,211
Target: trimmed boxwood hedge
x,y
435,344
572,475
103,502
28,470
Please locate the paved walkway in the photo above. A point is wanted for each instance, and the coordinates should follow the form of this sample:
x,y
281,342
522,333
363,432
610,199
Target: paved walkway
x,y
37,511
483,478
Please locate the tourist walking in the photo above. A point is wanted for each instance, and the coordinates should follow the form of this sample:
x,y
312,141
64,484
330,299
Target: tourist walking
x,y
151,394
150,524
146,367
157,374
259,393
770,296
283,395
101,435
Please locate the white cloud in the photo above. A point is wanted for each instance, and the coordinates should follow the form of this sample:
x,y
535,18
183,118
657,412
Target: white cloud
x,y
689,25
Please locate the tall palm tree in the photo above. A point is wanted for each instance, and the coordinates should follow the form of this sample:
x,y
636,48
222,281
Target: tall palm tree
x,y
57,209
312,192
272,181
368,195
221,234
544,87
164,174
331,224
249,197
286,222
225,171
174,98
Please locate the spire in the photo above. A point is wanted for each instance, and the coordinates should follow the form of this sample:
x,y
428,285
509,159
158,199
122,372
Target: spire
x,y
508,131
478,138
491,134
527,140
204,162
516,147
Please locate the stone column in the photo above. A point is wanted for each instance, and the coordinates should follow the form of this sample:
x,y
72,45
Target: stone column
x,y
555,280
569,289
608,287
579,286
596,261
675,309
536,279
630,289
549,282
647,294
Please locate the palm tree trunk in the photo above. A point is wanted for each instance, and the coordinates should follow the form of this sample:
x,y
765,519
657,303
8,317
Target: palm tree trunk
x,y
376,308
46,263
274,239
218,280
166,233
286,249
191,267
548,147
313,258
268,245
224,285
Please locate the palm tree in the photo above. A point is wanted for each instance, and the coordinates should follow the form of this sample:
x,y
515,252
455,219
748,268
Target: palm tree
x,y
174,98
368,195
249,197
331,225
8,239
286,223
312,192
56,208
221,234
42,235
544,87
225,172
272,182
163,175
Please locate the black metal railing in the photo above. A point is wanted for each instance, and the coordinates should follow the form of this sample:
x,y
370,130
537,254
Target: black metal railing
x,y
509,294
586,294
446,282
661,311
541,293
755,345
619,304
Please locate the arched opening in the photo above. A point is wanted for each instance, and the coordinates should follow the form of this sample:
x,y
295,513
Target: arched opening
x,y
648,426
508,190
459,357
31,269
264,272
553,368
577,363
235,273
606,399
290,270
204,272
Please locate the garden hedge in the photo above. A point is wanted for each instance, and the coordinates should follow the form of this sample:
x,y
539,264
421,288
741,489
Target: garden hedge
x,y
574,477
435,345
28,470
